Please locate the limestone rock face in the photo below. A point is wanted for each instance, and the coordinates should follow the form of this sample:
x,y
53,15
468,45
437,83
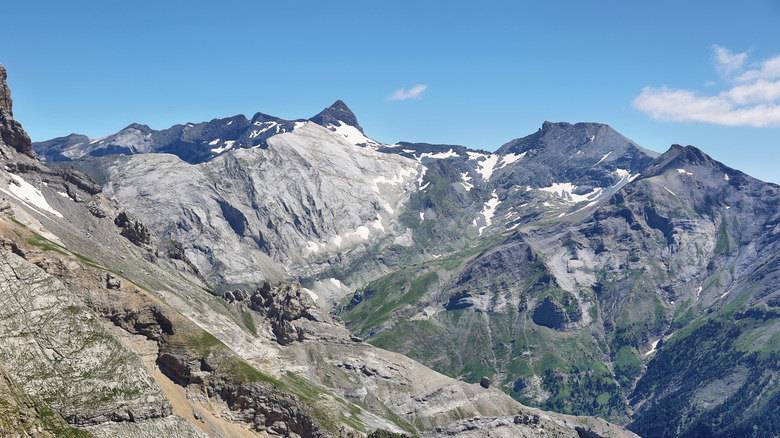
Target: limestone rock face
x,y
53,340
11,131
6,104
307,202
22,416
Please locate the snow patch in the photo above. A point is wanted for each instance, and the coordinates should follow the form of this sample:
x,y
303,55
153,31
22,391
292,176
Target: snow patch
x,y
652,348
439,156
352,134
337,240
488,212
378,224
602,158
228,144
29,194
667,189
684,172
476,155
313,247
63,194
214,142
726,176
270,125
511,158
422,174
337,283
487,166
565,191
466,178
399,178
362,232
624,176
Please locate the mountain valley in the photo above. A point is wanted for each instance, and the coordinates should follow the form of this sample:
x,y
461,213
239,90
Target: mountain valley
x,y
271,277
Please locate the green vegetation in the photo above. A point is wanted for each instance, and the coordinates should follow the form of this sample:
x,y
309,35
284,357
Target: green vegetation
x,y
723,238
241,372
387,294
246,318
204,342
709,351
627,365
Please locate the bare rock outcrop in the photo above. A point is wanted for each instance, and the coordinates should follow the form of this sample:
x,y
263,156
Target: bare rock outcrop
x,y
11,131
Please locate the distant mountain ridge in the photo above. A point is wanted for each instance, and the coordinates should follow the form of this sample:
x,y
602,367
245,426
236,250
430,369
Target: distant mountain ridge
x,y
192,142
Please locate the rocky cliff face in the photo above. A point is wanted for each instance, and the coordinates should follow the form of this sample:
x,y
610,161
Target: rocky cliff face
x,y
11,131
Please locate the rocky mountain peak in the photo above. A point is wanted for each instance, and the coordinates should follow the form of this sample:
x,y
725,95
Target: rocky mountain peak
x,y
338,112
11,132
681,157
139,127
5,93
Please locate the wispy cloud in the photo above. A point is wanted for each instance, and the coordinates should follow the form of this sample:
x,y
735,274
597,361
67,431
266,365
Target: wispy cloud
x,y
728,62
768,69
752,99
413,93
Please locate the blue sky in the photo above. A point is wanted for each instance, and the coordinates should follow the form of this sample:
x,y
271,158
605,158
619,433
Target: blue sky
x,y
662,72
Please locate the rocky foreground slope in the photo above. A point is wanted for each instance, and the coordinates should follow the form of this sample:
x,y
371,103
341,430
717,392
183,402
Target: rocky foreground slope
x,y
110,330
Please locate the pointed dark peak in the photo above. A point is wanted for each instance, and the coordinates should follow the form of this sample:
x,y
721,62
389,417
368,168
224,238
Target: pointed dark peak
x,y
682,156
139,127
262,118
690,158
338,112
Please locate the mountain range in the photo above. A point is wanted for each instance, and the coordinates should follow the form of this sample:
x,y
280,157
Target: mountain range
x,y
213,263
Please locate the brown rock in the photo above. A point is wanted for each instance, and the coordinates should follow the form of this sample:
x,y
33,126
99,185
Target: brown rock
x,y
11,132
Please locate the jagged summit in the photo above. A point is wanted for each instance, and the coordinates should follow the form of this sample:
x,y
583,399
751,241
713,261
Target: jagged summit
x,y
11,131
338,112
6,104
199,142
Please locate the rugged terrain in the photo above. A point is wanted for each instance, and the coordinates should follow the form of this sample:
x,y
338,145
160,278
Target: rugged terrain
x,y
571,269
112,328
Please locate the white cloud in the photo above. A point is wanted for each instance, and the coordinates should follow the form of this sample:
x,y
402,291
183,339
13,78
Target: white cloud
x,y
768,69
727,62
413,93
687,106
759,91
751,102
